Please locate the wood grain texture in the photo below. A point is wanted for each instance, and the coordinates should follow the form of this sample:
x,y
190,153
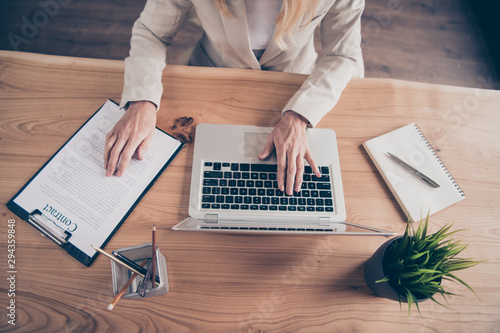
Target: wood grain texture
x,y
246,283
419,40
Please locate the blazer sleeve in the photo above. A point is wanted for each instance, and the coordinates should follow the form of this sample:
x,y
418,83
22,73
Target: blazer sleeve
x,y
152,33
342,60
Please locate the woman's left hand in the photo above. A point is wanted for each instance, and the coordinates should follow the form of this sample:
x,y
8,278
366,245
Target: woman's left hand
x,y
290,141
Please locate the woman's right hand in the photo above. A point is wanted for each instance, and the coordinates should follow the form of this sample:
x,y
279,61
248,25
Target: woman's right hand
x,y
130,137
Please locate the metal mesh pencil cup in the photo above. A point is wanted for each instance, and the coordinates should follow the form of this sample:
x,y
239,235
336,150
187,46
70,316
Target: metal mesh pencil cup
x,y
138,253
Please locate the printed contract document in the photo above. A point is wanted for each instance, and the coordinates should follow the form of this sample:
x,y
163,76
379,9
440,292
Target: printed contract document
x,y
73,194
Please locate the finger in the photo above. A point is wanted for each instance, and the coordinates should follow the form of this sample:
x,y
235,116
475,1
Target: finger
x,y
268,148
125,158
128,151
144,146
281,159
299,173
310,159
291,170
114,156
108,145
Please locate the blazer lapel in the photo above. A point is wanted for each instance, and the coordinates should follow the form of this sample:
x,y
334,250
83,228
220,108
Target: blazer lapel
x,y
236,30
273,50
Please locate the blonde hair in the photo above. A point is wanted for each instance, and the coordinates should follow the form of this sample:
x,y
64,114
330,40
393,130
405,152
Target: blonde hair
x,y
291,12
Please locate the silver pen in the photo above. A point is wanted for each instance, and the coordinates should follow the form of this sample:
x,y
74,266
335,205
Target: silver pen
x,y
414,170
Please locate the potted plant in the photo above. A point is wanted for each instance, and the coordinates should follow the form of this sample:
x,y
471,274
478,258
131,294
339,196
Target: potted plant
x,y
410,268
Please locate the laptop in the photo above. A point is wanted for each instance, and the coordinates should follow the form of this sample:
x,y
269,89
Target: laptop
x,y
233,191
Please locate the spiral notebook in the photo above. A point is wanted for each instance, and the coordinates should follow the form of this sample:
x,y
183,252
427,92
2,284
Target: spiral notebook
x,y
415,197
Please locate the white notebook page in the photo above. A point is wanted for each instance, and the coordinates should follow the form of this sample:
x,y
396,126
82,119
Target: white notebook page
x,y
415,197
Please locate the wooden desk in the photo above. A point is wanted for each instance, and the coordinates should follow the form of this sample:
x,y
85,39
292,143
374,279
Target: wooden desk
x,y
228,283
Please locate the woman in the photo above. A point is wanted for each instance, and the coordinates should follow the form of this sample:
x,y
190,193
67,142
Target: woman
x,y
273,35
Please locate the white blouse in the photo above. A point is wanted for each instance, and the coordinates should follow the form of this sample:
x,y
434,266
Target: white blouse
x,y
261,18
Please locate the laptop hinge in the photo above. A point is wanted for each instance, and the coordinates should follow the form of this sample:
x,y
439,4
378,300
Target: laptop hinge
x,y
324,221
211,218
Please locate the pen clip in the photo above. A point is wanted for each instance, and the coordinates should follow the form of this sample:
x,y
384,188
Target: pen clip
x,y
143,285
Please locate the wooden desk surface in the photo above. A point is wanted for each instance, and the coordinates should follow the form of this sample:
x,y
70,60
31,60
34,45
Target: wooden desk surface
x,y
228,283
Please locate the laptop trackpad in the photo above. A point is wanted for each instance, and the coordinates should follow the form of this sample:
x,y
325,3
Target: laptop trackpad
x,y
254,143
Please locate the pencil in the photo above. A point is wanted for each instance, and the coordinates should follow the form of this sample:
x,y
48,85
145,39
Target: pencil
x,y
124,289
115,259
129,262
133,264
118,261
153,255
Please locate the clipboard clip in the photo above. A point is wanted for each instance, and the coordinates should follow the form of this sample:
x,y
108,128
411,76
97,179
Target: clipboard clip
x,y
42,224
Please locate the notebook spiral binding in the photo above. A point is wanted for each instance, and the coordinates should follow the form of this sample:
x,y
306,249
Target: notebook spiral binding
x,y
439,161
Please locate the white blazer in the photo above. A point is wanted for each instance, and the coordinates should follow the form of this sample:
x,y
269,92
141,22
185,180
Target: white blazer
x,y
225,43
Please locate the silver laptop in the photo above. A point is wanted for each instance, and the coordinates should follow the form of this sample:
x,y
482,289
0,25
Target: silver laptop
x,y
233,191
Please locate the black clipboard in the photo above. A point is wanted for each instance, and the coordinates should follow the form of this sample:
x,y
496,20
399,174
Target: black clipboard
x,y
47,227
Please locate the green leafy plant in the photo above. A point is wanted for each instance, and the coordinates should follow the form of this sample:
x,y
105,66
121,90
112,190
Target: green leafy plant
x,y
416,264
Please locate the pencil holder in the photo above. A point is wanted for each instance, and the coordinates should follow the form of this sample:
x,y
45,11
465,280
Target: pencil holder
x,y
138,254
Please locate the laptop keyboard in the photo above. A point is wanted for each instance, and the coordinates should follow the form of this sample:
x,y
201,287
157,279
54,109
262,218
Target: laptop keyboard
x,y
254,187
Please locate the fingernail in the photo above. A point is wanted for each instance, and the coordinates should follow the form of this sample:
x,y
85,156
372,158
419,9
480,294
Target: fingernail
x,y
108,173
